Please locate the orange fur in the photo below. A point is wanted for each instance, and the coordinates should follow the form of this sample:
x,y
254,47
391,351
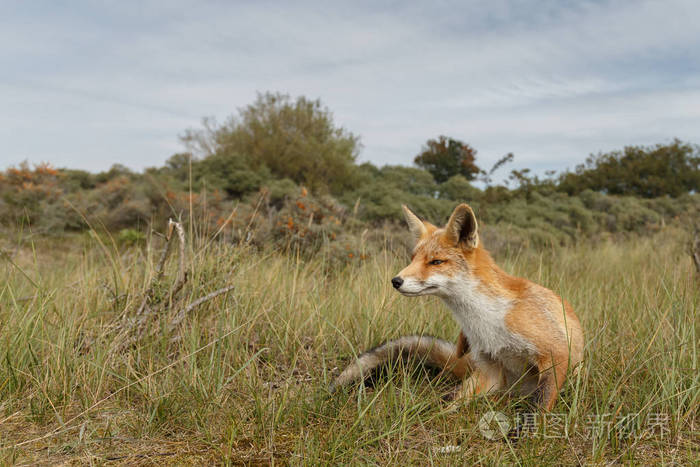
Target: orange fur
x,y
518,323
514,334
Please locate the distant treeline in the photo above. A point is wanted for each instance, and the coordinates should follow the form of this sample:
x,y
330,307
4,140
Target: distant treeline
x,y
282,171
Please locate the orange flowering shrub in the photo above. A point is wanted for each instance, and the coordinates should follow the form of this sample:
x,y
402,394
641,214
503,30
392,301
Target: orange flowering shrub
x,y
24,190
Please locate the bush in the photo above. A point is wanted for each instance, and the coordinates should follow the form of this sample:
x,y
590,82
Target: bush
x,y
645,171
231,173
131,236
293,139
459,189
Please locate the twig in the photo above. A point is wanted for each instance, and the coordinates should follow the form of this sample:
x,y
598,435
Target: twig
x,y
695,251
181,315
164,255
181,273
159,271
132,328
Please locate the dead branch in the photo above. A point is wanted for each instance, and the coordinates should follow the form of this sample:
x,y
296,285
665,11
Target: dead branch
x,y
184,312
166,250
133,327
148,295
695,251
181,273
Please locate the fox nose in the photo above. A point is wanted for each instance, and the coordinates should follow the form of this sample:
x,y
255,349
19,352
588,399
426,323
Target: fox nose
x,y
397,282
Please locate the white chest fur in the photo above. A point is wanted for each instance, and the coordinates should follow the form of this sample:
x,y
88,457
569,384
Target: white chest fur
x,y
482,319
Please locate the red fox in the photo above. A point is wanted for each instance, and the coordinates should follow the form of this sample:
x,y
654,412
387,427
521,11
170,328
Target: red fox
x,y
515,334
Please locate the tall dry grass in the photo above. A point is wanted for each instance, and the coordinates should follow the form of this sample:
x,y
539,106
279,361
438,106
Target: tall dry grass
x,y
243,379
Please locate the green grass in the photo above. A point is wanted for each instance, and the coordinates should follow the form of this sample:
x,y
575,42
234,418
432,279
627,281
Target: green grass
x,y
243,378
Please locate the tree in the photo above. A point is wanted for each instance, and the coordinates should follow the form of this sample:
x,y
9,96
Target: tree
x,y
446,157
292,139
646,171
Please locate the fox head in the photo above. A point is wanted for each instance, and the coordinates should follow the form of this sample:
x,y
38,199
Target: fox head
x,y
442,257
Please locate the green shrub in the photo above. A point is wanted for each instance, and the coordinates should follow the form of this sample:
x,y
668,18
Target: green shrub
x,y
130,237
294,139
230,172
459,189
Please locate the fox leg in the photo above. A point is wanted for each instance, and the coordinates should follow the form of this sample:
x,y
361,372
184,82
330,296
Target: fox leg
x,y
462,345
460,367
460,362
552,374
551,378
486,376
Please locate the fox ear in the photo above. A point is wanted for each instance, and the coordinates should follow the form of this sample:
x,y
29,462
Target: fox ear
x,y
415,225
461,229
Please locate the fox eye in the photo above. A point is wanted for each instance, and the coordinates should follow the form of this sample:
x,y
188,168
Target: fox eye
x,y
435,262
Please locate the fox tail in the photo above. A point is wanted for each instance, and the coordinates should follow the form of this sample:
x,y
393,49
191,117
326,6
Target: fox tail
x,y
431,350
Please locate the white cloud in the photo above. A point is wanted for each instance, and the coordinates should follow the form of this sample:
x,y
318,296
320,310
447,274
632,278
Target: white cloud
x,y
91,86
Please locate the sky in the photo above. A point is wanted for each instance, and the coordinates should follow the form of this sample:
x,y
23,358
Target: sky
x,y
90,84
